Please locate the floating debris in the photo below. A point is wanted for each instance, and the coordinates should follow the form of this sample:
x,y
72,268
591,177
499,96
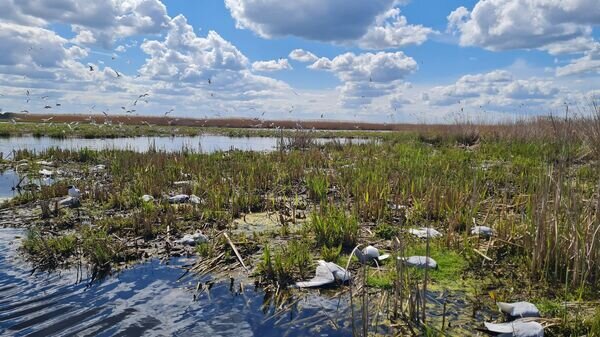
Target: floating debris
x,y
326,273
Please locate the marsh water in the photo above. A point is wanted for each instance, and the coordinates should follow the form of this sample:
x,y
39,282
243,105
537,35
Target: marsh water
x,y
203,143
148,300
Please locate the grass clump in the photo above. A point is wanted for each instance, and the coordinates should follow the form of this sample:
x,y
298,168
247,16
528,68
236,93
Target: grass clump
x,y
317,187
333,227
283,264
49,252
386,231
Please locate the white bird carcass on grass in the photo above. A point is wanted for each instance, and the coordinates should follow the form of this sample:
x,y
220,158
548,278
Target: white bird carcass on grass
x,y
423,232
519,309
518,328
326,273
147,198
46,173
74,192
484,231
369,254
179,199
419,262
193,239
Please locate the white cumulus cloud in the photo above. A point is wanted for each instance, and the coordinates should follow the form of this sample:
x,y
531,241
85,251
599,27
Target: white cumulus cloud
x,y
391,30
101,21
367,75
515,24
301,55
271,65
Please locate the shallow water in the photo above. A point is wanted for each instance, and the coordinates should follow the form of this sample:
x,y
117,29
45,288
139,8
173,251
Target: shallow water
x,y
10,178
203,143
147,300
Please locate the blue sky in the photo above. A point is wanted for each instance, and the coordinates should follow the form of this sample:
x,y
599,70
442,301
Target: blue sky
x,y
379,60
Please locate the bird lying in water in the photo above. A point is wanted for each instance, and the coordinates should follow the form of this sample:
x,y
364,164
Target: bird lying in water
x,y
326,273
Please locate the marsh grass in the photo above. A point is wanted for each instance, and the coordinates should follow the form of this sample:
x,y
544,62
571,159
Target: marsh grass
x,y
282,265
536,183
333,227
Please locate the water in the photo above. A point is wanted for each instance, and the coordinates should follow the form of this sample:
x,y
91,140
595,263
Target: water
x,y
10,178
203,143
147,300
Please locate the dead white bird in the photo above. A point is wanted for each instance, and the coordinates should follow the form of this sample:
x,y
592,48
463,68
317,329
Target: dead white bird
x,y
69,202
484,231
73,192
179,198
98,168
326,273
195,200
518,328
193,239
423,232
147,198
419,262
369,254
519,309
45,163
46,173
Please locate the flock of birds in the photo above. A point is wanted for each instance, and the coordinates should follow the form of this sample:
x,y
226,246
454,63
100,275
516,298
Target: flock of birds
x,y
143,97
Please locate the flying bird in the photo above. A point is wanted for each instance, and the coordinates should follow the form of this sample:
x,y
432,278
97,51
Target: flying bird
x,y
116,72
168,112
47,107
46,120
91,68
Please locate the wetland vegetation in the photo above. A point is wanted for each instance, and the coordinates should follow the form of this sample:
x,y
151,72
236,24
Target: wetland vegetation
x,y
274,214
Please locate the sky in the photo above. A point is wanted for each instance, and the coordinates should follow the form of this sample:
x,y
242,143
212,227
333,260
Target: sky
x,y
391,61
